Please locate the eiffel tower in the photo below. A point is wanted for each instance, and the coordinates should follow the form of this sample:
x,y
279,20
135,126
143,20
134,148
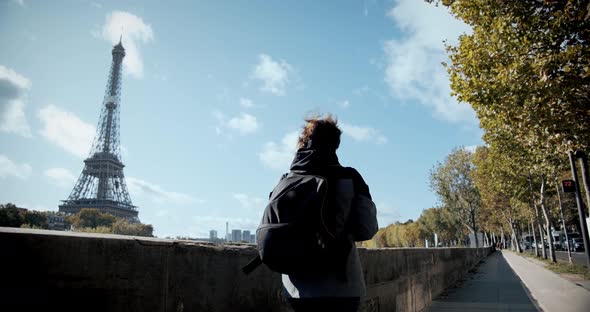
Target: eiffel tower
x,y
102,183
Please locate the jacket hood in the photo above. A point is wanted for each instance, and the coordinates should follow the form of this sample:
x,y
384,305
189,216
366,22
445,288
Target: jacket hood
x,y
313,159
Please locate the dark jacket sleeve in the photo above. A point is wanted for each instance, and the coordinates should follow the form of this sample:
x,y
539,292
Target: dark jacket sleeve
x,y
363,215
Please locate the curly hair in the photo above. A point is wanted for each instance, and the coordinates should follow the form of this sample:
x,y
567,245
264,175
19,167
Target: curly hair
x,y
320,132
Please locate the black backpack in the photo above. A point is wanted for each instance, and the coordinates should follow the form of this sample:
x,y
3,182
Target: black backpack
x,y
293,237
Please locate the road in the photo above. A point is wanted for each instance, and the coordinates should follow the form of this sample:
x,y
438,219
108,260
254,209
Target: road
x,y
577,257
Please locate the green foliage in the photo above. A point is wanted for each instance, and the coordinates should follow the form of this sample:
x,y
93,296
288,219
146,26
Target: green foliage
x,y
440,221
12,216
91,218
88,220
28,226
414,233
98,229
525,70
36,219
136,229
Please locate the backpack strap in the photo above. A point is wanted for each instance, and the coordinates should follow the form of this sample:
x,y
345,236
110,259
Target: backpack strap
x,y
252,265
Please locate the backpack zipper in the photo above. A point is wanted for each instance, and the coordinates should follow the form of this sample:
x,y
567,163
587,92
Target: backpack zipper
x,y
322,207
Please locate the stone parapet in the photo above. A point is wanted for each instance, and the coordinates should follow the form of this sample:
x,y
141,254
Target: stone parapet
x,y
64,271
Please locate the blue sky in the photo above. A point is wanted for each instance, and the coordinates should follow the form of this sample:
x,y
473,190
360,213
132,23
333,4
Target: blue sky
x,y
213,95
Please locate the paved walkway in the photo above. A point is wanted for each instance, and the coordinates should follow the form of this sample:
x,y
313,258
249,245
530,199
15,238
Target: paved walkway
x,y
492,287
552,292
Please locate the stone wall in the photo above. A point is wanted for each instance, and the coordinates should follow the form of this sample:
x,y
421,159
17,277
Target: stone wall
x,y
64,271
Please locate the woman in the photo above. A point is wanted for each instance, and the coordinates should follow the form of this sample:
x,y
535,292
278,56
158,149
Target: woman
x,y
352,217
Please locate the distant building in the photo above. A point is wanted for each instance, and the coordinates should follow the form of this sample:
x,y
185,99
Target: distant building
x,y
56,221
213,235
252,238
246,236
236,235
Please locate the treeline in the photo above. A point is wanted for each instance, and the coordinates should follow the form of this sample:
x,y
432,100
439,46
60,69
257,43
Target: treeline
x,y
87,220
12,216
525,71
415,233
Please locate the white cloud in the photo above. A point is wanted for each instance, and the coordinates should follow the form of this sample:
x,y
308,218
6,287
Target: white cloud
x,y
61,177
363,134
246,103
9,75
273,74
139,187
243,124
66,130
344,104
9,168
414,70
278,156
12,104
134,32
249,201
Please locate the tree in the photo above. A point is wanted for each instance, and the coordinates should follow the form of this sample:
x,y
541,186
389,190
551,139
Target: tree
x,y
35,219
525,67
11,216
503,187
454,184
91,218
123,227
438,220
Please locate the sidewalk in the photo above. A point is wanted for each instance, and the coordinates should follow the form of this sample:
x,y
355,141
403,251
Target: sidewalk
x,y
552,292
492,287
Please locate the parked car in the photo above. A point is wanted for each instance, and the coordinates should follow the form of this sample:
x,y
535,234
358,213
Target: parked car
x,y
541,246
577,244
566,245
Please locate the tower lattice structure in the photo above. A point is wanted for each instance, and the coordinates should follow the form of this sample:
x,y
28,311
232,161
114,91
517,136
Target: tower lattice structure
x,y
102,182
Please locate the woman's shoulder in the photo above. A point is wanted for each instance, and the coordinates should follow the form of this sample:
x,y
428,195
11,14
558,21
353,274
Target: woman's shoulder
x,y
360,186
352,173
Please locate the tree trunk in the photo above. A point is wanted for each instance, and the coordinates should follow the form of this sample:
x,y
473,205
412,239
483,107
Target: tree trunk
x,y
585,179
472,213
569,253
547,220
580,204
535,238
518,238
516,245
541,237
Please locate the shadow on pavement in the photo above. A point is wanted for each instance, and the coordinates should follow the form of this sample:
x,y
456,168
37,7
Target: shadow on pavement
x,y
492,286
